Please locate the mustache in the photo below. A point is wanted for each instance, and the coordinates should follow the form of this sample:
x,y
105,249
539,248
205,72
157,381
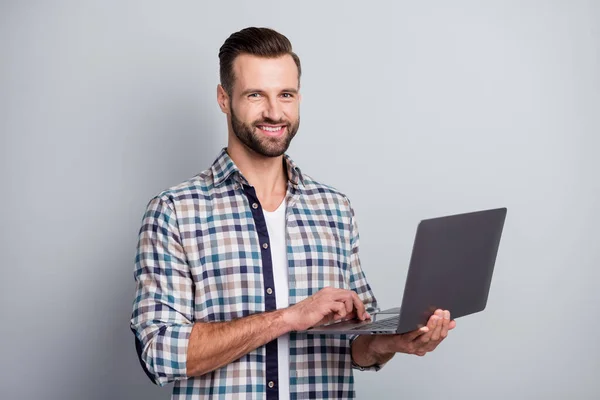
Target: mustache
x,y
271,122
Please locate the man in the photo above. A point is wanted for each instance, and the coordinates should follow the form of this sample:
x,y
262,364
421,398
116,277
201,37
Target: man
x,y
234,262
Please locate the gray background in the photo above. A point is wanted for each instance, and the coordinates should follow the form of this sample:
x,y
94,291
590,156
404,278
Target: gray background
x,y
413,109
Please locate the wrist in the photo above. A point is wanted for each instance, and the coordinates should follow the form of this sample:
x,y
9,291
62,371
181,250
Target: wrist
x,y
285,319
379,346
368,353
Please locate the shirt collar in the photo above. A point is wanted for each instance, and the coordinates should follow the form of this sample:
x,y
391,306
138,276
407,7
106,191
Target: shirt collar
x,y
224,168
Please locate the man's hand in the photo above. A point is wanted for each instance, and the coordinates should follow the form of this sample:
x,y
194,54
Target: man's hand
x,y
327,305
420,341
379,349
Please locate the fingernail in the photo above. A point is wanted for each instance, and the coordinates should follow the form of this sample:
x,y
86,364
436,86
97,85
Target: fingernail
x,y
447,314
366,315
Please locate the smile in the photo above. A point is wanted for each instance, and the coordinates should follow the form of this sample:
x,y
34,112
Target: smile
x,y
272,130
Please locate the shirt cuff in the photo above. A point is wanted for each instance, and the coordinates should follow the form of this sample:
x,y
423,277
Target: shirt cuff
x,y
166,357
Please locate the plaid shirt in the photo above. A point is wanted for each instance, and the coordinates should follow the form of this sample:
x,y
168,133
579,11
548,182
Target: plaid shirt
x,y
203,256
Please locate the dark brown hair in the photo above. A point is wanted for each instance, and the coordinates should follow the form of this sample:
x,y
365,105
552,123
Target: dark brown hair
x,y
261,42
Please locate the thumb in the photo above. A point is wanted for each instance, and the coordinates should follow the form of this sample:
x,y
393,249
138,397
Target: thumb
x,y
410,336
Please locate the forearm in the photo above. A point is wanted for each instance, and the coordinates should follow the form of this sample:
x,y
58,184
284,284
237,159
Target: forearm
x,y
366,352
213,345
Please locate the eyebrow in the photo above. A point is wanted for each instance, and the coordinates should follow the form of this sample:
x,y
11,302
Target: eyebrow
x,y
288,90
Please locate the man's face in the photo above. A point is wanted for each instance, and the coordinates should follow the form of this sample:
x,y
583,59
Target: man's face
x,y
264,103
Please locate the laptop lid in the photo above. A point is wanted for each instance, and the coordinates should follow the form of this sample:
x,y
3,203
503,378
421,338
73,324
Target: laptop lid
x,y
451,266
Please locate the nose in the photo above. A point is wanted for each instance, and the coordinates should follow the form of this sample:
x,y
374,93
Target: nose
x,y
273,110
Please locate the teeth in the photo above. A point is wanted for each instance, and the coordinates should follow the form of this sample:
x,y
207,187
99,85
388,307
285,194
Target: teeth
x,y
271,129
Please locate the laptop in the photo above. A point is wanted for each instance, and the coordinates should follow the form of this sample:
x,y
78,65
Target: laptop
x,y
450,268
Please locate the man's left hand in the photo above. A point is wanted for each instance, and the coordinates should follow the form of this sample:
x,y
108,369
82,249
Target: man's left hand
x,y
420,341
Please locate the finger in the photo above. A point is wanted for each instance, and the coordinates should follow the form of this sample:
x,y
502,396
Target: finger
x,y
359,306
445,324
339,310
348,304
432,326
350,316
451,325
436,333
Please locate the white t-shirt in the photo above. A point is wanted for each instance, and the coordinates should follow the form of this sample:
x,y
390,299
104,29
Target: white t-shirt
x,y
276,228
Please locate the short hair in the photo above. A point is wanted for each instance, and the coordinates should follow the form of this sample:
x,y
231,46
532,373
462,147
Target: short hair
x,y
261,42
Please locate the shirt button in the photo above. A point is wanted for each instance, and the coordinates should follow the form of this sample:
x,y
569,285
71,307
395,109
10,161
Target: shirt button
x,y
254,205
269,291
265,245
271,384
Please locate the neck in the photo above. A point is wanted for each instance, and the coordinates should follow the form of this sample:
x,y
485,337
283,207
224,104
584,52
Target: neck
x,y
266,174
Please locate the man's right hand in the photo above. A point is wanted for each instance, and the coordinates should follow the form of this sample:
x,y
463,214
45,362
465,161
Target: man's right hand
x,y
327,305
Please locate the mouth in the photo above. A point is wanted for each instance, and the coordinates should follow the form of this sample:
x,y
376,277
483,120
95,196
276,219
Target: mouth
x,y
272,130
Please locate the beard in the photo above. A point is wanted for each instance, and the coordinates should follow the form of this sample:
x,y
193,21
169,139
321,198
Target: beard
x,y
264,145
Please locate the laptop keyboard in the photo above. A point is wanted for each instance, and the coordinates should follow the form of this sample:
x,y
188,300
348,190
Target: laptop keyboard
x,y
390,323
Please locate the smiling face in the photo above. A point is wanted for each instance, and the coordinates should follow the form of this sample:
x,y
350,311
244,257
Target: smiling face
x,y
264,103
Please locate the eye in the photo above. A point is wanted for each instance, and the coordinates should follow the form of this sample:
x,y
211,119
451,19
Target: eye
x,y
287,95
254,95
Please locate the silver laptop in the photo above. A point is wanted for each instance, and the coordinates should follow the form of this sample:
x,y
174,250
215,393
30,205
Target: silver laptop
x,y
451,268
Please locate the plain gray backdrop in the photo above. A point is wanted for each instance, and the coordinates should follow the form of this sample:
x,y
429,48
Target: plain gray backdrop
x,y
413,109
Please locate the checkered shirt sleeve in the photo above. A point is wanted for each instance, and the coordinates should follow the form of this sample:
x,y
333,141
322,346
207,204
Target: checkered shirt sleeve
x,y
358,283
163,309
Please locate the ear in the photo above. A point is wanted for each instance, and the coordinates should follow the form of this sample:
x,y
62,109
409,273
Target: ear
x,y
222,99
